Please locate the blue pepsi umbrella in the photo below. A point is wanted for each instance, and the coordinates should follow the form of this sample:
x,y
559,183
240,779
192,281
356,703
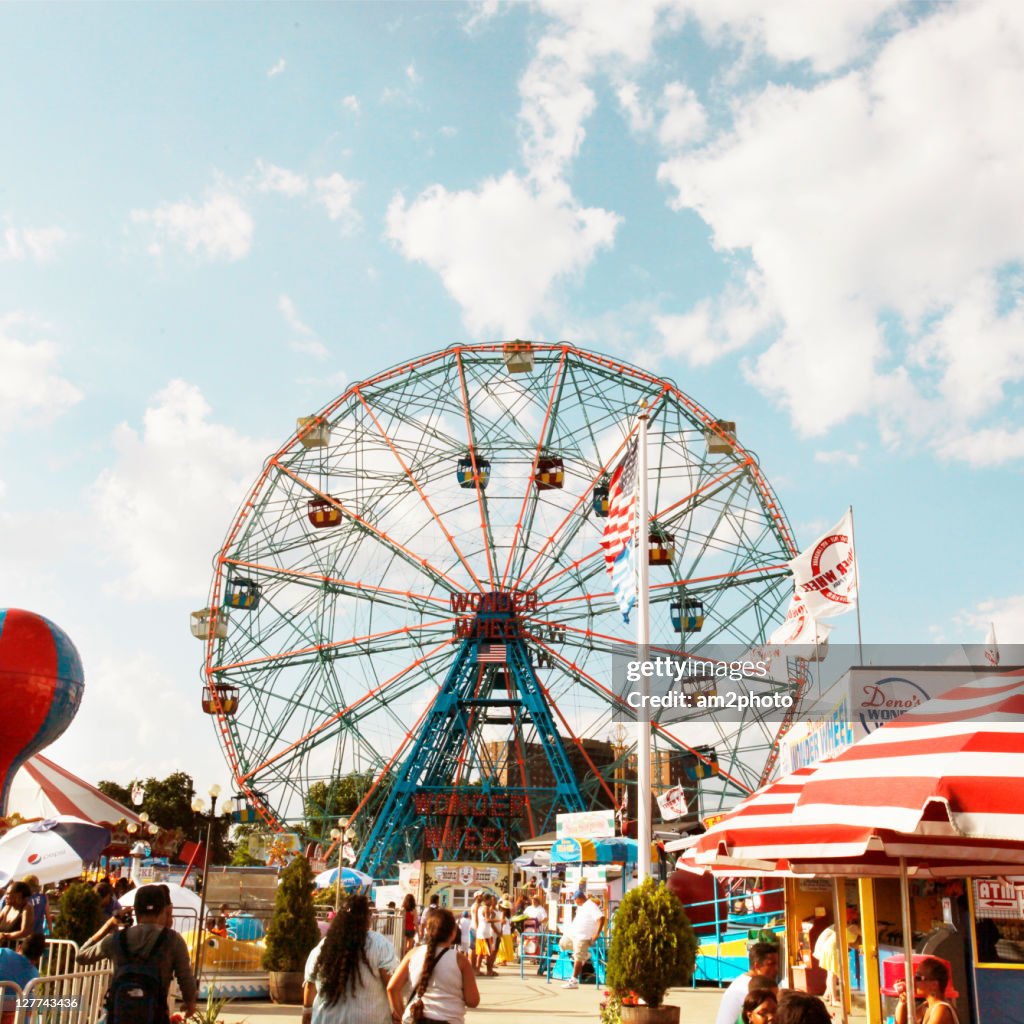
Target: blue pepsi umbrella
x,y
350,879
52,850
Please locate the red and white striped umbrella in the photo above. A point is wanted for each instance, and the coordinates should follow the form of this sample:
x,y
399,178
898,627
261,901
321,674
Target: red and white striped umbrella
x,y
936,793
950,773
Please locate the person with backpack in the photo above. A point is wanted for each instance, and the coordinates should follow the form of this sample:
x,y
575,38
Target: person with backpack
x,y
146,956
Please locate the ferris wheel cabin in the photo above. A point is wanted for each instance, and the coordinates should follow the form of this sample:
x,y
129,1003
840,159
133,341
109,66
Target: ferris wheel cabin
x,y
221,697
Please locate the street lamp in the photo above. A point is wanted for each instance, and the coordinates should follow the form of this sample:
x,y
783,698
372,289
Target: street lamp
x,y
199,806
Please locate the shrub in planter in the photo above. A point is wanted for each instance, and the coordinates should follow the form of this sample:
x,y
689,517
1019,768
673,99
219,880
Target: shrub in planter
x,y
78,915
293,930
653,947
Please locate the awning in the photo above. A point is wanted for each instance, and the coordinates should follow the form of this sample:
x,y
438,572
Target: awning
x,y
570,850
42,789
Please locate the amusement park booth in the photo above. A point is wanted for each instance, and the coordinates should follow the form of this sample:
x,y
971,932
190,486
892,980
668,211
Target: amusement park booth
x,y
455,882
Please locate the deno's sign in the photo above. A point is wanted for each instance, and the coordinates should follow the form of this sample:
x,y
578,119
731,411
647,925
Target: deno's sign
x,y
878,701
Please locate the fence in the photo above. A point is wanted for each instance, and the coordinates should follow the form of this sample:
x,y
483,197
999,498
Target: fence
x,y
71,998
391,924
59,957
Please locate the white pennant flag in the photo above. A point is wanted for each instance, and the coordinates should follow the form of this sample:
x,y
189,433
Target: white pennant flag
x,y
801,629
825,575
991,647
672,803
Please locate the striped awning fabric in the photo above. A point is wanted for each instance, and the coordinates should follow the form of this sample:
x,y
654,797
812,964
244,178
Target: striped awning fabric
x,y
942,787
952,767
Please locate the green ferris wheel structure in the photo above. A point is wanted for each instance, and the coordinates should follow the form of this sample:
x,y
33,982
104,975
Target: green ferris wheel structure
x,y
414,589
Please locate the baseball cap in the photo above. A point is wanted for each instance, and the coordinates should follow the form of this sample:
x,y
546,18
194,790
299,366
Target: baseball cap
x,y
32,880
150,899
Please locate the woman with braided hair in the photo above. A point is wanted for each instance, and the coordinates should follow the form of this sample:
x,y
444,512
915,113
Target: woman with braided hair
x,y
442,980
347,973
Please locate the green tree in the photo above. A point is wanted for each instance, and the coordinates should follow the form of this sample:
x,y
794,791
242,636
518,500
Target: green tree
x,y
78,914
329,800
240,856
293,930
168,802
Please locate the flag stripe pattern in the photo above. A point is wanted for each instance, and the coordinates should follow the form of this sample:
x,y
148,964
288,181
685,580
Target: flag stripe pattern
x,y
492,654
618,540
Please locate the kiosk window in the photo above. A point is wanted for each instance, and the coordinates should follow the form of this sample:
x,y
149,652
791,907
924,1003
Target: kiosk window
x,y
998,912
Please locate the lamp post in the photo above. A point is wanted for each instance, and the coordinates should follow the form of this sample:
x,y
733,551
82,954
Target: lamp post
x,y
199,806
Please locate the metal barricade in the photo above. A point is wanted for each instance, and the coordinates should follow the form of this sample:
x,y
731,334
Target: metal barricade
x,y
391,924
74,998
59,957
10,993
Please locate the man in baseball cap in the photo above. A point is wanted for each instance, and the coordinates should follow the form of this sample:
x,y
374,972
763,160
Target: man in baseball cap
x,y
151,938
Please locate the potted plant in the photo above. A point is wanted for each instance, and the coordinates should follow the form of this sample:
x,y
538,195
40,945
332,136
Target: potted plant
x,y
653,949
292,933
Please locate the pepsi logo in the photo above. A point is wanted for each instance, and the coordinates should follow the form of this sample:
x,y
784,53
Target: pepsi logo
x,y
34,858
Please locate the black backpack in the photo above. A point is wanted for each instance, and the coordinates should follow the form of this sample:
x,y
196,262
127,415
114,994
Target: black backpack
x,y
136,994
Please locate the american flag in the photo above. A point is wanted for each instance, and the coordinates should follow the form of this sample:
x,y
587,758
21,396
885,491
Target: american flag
x,y
618,543
492,654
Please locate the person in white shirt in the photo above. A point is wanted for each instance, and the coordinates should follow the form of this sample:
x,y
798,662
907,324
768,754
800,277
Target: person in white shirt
x,y
465,934
580,933
764,960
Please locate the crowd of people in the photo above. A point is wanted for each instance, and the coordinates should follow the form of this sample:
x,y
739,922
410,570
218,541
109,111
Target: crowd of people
x,y
356,976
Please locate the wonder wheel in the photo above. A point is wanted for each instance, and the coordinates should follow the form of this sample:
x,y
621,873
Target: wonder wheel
x,y
415,590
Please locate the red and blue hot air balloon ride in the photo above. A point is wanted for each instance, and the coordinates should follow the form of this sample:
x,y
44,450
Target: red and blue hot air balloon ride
x,y
41,684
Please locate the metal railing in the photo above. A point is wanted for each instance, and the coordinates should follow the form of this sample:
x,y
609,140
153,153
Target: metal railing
x,y
64,998
59,957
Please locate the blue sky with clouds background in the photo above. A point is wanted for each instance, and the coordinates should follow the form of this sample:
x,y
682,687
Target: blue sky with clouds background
x,y
214,217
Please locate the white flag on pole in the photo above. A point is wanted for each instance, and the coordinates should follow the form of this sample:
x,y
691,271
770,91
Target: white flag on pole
x,y
825,575
672,803
800,628
991,646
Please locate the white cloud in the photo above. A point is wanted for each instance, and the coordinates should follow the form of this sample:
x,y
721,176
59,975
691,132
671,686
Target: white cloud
x,y
484,245
717,326
37,244
32,391
351,104
412,75
1005,613
639,117
828,36
838,458
684,121
990,446
335,193
220,228
163,505
303,338
480,11
269,178
277,68
584,37
886,195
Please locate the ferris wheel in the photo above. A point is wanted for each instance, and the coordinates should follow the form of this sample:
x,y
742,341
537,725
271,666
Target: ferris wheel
x,y
414,589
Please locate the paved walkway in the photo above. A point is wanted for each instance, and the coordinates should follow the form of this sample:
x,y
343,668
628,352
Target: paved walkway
x,y
506,998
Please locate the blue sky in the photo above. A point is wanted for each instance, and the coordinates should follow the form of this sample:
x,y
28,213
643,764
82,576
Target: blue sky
x,y
214,217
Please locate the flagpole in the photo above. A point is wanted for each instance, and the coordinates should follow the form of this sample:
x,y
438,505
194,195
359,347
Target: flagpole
x,y
643,639
856,569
